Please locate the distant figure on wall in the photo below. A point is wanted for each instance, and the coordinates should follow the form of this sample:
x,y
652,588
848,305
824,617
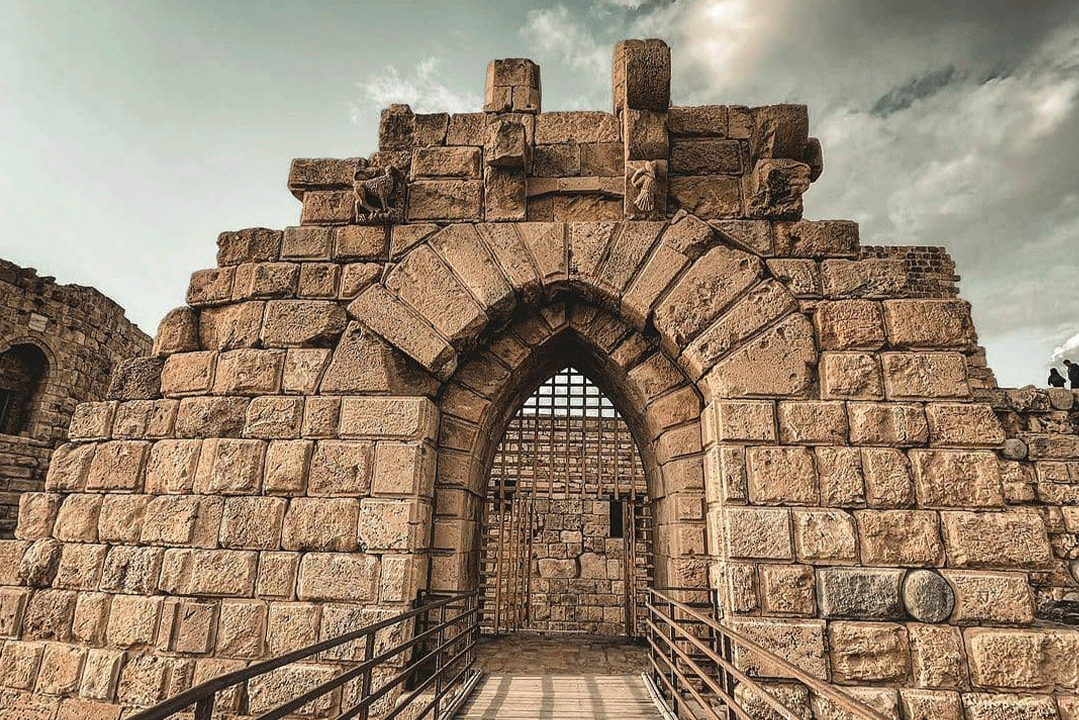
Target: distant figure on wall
x,y
1073,373
1055,378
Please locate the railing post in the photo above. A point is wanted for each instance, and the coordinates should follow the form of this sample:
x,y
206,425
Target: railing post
x,y
365,682
205,708
673,658
438,658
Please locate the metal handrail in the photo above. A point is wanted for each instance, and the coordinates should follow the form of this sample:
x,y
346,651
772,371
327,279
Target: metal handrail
x,y
445,654
667,636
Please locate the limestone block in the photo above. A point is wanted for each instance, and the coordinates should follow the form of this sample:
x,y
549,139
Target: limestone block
x,y
358,242
230,467
755,236
274,416
887,478
80,566
118,465
12,604
357,277
211,417
851,375
773,189
602,159
506,145
171,466
189,373
817,239
100,674
645,135
249,372
263,244
37,515
869,278
139,419
927,596
896,424
364,363
957,478
186,626
142,680
390,524
812,423
1050,446
19,663
801,277
321,416
662,266
849,325
186,520
986,706
328,207
628,250
132,621
76,521
302,323
230,327
277,687
776,363
277,575
706,157
731,471
320,524
69,467
445,200
929,324
132,569
210,287
92,421
177,332
307,243
48,615
547,244
964,425
937,659
430,128
800,642
762,305
991,598
558,160
750,420
11,554
653,377
137,378
256,281
759,533
780,131
341,468
688,235
403,469
900,537
841,480
386,417
558,568
221,573
437,162
707,196
252,523
575,126
781,476
925,375
586,245
825,537
346,577
676,408
787,590
1022,659
1009,540
38,565
860,593
641,75
303,370
291,626
698,120
461,248
387,316
287,467
869,652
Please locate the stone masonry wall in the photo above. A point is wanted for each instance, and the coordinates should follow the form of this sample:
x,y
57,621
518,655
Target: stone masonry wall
x,y
83,335
309,444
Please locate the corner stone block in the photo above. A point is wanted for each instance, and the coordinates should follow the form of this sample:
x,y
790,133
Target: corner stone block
x,y
69,467
379,417
641,75
210,287
395,128
345,577
177,332
759,533
1008,540
780,131
391,319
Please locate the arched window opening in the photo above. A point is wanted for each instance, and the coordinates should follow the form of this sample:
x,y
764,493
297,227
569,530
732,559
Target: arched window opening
x,y
22,371
567,544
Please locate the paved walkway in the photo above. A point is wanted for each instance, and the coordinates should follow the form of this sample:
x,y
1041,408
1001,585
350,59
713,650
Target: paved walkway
x,y
566,655
560,697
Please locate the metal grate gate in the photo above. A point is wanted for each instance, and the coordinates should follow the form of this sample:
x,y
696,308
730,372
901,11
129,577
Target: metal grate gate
x,y
567,544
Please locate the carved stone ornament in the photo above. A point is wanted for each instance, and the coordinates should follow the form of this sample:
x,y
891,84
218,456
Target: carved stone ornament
x,y
379,195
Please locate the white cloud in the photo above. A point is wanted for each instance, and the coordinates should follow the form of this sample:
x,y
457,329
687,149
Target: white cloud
x,y
1068,349
558,33
423,89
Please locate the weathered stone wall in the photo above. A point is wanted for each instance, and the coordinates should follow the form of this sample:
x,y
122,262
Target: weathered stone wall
x,y
83,336
309,445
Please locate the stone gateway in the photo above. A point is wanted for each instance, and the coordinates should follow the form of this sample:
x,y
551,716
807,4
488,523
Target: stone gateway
x,y
814,433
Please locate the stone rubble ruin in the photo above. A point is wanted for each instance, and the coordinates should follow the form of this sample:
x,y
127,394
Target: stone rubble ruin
x,y
309,443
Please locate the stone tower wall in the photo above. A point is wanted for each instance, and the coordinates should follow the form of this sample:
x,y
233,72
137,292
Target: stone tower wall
x,y
309,444
83,335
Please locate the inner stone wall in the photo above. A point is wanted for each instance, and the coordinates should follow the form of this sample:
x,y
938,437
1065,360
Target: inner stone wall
x,y
309,444
84,336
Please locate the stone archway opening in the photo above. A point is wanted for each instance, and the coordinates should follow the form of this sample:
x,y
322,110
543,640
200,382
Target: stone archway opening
x,y
567,536
23,369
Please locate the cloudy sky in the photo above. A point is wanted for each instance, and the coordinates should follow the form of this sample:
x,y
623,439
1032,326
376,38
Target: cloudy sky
x,y
131,133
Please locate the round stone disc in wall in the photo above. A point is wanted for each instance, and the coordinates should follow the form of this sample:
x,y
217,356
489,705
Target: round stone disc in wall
x,y
927,596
